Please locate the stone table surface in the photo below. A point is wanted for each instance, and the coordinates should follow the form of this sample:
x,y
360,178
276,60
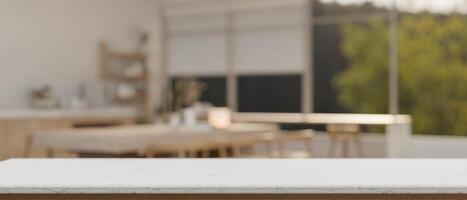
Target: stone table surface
x,y
233,176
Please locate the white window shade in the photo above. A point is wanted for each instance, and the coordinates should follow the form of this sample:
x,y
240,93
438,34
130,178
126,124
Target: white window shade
x,y
197,45
197,55
196,23
265,4
272,52
269,38
270,42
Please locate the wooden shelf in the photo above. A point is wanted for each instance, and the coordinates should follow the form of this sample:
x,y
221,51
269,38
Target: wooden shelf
x,y
126,79
112,74
135,100
128,56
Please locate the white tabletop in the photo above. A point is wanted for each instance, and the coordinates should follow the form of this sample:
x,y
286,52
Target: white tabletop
x,y
323,118
109,176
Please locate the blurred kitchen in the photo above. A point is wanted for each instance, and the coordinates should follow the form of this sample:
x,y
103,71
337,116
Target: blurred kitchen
x,y
233,78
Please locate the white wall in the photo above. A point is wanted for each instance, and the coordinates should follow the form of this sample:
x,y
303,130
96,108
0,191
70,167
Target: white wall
x,y
55,42
438,147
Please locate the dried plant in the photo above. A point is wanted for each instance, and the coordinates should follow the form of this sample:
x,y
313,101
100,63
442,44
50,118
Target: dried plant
x,y
187,91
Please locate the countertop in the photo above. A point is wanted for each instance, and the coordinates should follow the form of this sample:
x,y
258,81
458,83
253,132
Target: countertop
x,y
244,176
31,113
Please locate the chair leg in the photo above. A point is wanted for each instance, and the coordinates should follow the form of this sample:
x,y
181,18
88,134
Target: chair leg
x,y
269,149
223,152
181,153
237,151
345,148
309,148
358,144
50,153
205,153
190,154
28,148
281,150
333,144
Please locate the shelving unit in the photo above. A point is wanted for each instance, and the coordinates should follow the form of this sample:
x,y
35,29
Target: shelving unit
x,y
113,67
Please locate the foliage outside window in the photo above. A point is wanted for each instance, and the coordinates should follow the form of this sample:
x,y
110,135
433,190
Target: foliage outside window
x,y
432,71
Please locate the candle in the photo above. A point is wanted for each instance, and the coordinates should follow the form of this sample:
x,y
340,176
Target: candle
x,y
219,117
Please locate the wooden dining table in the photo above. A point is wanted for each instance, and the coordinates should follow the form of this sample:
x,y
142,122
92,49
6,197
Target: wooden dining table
x,y
398,128
132,140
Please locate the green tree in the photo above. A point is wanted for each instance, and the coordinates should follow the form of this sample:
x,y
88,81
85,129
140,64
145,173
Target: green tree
x,y
432,71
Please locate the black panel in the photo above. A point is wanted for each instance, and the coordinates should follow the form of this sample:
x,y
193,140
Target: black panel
x,y
272,93
329,62
216,92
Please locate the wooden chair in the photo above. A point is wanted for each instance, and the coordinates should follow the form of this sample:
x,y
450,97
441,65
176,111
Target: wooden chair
x,y
235,145
222,144
275,144
244,145
305,137
156,149
183,148
344,133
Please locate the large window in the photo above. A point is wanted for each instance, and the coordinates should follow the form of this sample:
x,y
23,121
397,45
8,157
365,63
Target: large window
x,y
332,56
351,51
430,59
261,44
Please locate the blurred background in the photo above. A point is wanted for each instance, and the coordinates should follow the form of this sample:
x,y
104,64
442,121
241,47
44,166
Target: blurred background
x,y
159,65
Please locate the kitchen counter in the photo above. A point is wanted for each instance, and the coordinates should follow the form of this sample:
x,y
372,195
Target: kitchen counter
x,y
31,113
215,177
17,126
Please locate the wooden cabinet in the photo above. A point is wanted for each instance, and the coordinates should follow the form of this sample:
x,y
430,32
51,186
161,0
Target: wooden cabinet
x,y
3,141
16,134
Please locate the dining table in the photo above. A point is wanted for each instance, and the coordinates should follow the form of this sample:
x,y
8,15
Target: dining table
x,y
132,140
398,127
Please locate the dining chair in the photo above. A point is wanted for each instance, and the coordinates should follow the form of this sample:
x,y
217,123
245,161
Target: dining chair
x,y
180,148
344,134
275,144
303,137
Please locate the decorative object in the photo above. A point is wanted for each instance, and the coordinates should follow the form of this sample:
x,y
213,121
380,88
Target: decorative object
x,y
42,97
189,116
79,101
136,70
219,117
125,92
187,91
175,120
